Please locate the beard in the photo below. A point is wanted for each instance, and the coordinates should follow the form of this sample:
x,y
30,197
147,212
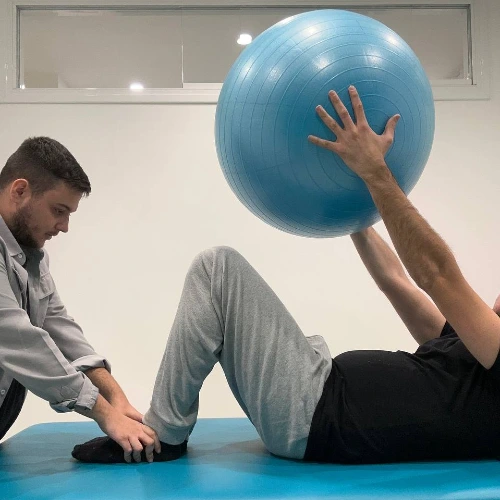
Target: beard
x,y
20,227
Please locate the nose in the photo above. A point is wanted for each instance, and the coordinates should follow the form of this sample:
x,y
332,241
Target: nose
x,y
63,226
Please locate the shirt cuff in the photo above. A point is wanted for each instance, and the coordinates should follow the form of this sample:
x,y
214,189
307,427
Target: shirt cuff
x,y
90,361
85,400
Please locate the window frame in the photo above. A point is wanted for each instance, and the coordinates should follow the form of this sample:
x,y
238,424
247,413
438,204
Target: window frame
x,y
9,33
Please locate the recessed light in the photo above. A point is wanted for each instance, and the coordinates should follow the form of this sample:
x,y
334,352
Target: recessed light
x,y
244,39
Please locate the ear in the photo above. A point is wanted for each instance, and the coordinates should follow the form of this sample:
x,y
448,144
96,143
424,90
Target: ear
x,y
20,190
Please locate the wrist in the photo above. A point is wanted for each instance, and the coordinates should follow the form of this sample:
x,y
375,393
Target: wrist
x,y
361,235
101,412
107,385
118,400
379,173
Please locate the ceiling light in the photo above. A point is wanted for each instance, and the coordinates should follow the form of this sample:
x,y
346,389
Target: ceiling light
x,y
244,39
136,86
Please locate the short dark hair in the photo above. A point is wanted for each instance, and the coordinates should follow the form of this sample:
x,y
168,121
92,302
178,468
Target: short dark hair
x,y
44,162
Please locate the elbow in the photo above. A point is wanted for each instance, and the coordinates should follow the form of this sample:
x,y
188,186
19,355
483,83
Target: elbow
x,y
393,283
433,276
427,281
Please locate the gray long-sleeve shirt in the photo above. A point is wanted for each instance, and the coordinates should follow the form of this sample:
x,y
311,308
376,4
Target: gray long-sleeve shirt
x,y
48,353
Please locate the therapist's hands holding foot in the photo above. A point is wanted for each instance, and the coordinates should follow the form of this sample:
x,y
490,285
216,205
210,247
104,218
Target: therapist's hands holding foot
x,y
132,436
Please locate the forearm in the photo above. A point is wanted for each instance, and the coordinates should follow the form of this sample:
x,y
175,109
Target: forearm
x,y
101,411
422,251
107,385
112,392
418,313
379,259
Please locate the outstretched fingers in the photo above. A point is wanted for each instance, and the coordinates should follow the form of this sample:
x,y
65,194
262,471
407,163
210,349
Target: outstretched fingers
x,y
332,125
341,110
328,120
323,143
390,127
357,106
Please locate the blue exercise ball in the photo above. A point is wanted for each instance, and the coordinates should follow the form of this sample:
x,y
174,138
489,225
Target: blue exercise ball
x,y
266,110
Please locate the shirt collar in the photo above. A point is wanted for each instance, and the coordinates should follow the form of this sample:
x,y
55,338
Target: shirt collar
x,y
15,250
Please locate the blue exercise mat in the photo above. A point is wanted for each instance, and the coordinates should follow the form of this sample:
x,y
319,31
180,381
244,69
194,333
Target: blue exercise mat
x,y
225,460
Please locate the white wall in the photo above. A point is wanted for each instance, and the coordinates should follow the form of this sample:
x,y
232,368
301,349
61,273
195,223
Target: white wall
x,y
159,197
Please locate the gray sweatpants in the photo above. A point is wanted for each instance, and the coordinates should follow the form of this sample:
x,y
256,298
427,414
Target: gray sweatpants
x,y
228,313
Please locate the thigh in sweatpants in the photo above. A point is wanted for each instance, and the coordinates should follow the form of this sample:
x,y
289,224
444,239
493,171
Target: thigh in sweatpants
x,y
228,313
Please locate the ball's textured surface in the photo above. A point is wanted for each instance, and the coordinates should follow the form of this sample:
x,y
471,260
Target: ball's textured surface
x,y
266,111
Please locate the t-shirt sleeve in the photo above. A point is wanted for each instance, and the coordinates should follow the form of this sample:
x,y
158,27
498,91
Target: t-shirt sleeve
x,y
447,330
495,368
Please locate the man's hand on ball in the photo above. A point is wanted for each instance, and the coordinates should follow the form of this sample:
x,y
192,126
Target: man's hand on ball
x,y
362,150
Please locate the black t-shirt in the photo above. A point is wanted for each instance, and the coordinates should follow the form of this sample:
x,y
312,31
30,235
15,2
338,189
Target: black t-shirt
x,y
436,404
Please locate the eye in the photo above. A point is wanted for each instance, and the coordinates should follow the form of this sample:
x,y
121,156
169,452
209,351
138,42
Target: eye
x,y
58,211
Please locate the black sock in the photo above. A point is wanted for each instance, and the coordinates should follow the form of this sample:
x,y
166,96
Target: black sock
x,y
103,450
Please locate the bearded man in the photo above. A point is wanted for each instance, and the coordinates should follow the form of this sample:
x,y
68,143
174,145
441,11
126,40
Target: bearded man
x,y
42,348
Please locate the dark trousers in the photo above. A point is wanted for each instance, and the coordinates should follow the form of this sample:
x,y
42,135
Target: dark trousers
x,y
11,407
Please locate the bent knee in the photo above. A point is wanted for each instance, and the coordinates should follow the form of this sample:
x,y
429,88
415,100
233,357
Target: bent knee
x,y
219,252
227,256
227,253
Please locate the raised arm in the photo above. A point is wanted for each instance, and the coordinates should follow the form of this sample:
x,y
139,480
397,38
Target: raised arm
x,y
423,252
422,318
